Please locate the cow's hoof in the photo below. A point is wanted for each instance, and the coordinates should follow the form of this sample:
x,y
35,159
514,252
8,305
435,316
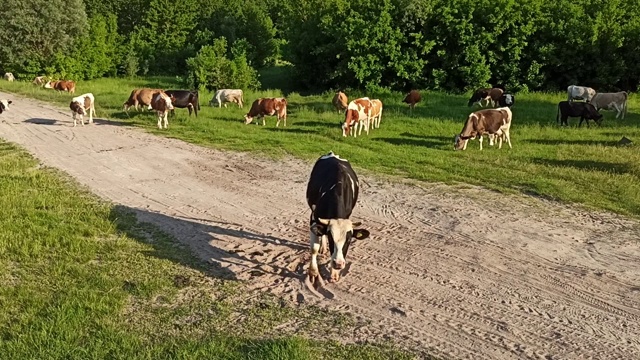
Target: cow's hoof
x,y
335,276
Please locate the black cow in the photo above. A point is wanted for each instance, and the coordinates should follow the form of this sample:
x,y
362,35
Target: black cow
x,y
507,100
332,193
185,99
584,110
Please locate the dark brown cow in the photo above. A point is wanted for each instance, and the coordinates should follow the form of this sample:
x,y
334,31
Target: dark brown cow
x,y
268,107
61,85
490,95
412,98
494,122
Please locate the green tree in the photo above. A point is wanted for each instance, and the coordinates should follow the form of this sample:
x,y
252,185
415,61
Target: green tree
x,y
33,32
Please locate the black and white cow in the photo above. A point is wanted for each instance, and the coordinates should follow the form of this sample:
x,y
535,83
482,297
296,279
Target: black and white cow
x,y
4,105
332,193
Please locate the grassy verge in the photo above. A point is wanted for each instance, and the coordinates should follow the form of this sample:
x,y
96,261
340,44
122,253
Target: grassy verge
x,y
80,279
580,165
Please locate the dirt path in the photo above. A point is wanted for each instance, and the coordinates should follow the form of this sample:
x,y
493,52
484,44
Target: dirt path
x,y
464,274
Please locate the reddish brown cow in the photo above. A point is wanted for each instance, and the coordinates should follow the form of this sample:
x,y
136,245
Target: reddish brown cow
x,y
61,85
412,98
340,101
140,97
494,122
268,107
358,113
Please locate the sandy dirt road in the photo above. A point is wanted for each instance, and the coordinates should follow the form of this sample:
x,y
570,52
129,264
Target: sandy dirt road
x,y
458,273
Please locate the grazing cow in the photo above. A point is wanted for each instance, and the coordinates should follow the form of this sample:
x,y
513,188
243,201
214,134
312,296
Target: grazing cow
x,y
332,193
376,113
80,105
39,81
4,105
507,100
490,95
494,122
575,92
9,76
340,101
358,113
611,101
61,85
268,107
412,98
224,96
584,110
140,97
162,104
185,99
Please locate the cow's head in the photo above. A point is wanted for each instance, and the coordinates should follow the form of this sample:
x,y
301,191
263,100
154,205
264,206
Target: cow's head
x,y
590,112
77,108
350,118
459,143
248,119
340,232
4,105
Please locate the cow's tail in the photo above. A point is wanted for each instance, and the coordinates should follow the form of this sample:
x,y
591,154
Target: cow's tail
x,y
198,99
624,111
558,115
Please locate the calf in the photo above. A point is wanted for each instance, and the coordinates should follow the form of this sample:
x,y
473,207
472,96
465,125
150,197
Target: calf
x,y
4,105
185,99
490,95
61,85
412,98
9,76
611,101
162,104
376,113
340,101
332,193
268,107
494,122
358,114
224,96
584,110
79,107
575,92
140,97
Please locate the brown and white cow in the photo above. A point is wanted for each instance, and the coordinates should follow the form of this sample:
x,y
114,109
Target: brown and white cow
x,y
162,104
340,101
140,97
358,114
376,113
611,101
39,81
490,95
493,122
61,85
268,107
9,76
79,107
4,105
575,92
412,98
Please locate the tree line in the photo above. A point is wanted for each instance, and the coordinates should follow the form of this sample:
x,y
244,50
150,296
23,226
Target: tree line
x,y
450,45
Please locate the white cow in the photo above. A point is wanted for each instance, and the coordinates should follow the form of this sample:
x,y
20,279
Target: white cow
x,y
4,105
79,107
223,96
575,92
9,76
611,101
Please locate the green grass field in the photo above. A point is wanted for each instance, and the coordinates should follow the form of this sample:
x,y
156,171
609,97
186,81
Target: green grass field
x,y
577,165
80,279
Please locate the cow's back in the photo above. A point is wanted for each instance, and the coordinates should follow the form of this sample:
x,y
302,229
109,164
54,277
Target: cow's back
x,y
145,95
333,188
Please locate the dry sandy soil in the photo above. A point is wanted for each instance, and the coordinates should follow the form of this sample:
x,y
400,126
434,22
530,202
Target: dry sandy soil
x,y
459,273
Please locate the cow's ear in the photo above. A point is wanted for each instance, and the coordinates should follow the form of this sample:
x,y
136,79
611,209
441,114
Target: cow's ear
x,y
9,102
319,229
361,234
356,224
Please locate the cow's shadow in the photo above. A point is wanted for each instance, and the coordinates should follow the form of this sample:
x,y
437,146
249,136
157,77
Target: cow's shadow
x,y
40,121
213,258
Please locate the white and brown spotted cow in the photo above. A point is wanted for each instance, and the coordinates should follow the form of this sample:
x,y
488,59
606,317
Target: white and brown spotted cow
x,y
79,107
162,104
492,122
358,114
268,107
